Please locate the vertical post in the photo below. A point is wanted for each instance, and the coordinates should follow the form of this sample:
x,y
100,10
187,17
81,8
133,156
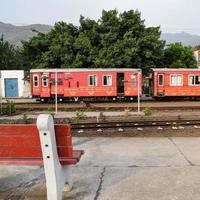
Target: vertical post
x,y
56,91
1,96
138,91
1,105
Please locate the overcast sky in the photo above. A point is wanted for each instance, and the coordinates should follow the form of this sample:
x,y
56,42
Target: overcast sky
x,y
171,15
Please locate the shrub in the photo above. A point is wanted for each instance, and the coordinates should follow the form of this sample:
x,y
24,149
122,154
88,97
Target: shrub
x,y
147,111
106,108
66,109
30,109
80,115
10,108
102,116
126,112
25,118
52,114
50,109
87,109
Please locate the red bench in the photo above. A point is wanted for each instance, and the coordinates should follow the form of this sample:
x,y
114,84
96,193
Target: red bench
x,y
44,144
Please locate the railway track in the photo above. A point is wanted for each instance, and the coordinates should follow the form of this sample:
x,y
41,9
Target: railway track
x,y
137,125
177,105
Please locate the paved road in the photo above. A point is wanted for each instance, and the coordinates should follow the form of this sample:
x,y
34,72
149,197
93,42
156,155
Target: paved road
x,y
119,168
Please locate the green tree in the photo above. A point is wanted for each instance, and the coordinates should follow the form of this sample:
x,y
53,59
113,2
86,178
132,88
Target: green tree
x,y
122,40
9,56
197,47
179,56
53,49
115,40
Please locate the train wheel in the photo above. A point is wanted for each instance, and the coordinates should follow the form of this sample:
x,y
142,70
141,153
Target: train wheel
x,y
43,100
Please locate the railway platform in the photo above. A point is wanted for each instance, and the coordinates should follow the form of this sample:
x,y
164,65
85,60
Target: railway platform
x,y
119,168
73,114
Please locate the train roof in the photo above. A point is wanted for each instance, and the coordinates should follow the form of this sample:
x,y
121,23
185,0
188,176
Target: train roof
x,y
84,69
175,69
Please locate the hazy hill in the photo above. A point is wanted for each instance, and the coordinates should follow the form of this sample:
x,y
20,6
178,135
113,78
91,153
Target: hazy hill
x,y
185,38
15,34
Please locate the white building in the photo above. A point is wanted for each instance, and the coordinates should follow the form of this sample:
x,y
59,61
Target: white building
x,y
197,56
11,83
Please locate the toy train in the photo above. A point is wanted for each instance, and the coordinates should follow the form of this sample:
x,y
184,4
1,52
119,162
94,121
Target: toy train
x,y
72,84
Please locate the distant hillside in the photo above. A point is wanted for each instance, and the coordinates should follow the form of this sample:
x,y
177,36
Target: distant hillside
x,y
185,38
15,34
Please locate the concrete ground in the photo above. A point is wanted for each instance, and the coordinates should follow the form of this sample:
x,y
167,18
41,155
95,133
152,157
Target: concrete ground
x,y
119,169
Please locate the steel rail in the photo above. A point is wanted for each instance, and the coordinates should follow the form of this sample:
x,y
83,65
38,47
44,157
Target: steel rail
x,y
135,124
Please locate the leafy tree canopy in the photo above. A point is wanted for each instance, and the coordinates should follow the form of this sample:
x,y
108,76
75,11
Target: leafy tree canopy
x,y
197,47
115,40
179,56
9,56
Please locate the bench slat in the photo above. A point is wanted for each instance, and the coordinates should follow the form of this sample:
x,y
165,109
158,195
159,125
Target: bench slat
x,y
38,161
18,129
24,140
32,151
21,161
31,129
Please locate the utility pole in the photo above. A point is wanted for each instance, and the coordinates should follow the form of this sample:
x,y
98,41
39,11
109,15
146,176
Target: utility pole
x,y
1,96
138,91
56,91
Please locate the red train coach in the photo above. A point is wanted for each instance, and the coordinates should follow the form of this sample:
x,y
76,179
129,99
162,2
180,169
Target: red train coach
x,y
86,84
176,82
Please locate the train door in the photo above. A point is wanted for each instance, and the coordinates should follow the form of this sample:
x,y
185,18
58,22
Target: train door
x,y
11,87
146,81
45,88
160,85
120,84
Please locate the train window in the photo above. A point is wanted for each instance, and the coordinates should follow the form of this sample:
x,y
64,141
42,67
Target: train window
x,y
35,80
69,84
107,80
176,80
194,80
160,79
60,81
44,81
53,81
77,83
92,80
